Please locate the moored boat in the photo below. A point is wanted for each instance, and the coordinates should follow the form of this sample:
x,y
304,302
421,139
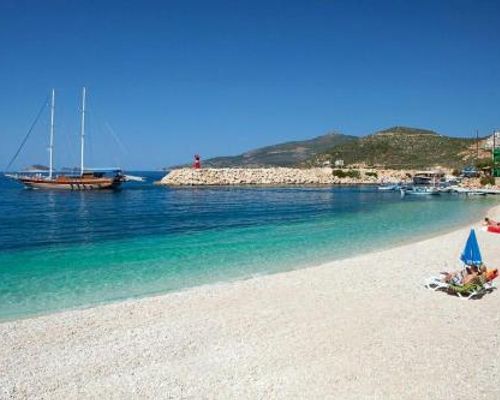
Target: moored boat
x,y
488,191
389,187
421,191
475,193
86,179
428,177
470,191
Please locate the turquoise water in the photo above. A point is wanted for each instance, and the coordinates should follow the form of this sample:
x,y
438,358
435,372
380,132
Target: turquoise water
x,y
67,250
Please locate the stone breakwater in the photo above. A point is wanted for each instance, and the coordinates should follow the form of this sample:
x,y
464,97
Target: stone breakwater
x,y
276,176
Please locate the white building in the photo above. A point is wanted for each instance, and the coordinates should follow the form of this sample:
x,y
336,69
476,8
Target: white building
x,y
489,140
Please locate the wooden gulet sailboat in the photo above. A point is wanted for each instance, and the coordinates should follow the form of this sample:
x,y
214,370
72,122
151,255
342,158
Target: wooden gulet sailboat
x,y
86,180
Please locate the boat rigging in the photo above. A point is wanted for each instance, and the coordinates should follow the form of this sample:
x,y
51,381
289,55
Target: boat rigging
x,y
87,179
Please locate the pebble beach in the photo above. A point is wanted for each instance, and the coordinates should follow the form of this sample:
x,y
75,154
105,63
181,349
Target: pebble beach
x,y
357,328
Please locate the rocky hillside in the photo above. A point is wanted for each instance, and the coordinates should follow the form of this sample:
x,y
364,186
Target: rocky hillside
x,y
281,155
402,148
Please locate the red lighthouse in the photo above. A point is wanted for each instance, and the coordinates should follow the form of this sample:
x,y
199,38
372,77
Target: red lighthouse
x,y
197,161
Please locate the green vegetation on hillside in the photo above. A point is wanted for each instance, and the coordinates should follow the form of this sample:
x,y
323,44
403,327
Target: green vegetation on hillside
x,y
405,131
402,147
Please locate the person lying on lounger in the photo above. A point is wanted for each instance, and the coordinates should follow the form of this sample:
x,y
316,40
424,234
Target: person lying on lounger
x,y
475,272
491,222
469,282
463,276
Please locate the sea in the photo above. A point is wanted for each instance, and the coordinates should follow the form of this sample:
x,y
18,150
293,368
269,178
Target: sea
x,y
63,250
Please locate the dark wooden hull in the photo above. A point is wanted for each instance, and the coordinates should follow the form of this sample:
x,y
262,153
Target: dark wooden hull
x,y
71,183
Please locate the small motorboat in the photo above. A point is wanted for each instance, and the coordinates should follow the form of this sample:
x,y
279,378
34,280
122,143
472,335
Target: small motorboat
x,y
420,191
389,187
475,193
488,191
469,192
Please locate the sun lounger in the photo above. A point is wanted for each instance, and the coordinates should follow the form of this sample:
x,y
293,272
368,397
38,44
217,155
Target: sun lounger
x,y
476,288
477,276
436,283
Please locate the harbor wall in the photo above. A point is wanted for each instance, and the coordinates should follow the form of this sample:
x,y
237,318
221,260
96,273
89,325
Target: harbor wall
x,y
278,176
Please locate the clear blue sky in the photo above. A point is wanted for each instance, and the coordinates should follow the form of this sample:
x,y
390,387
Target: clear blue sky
x,y
172,78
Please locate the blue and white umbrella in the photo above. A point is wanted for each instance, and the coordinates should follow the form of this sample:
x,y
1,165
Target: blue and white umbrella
x,y
471,254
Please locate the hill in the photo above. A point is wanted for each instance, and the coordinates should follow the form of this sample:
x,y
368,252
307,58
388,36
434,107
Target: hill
x,y
281,155
404,130
403,147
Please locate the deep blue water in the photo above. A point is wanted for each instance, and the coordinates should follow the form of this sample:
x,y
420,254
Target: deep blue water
x,y
62,250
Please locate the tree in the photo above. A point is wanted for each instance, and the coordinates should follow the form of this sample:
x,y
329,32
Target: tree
x,y
484,163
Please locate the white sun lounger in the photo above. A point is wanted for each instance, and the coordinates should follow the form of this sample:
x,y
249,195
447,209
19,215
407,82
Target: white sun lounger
x,y
435,283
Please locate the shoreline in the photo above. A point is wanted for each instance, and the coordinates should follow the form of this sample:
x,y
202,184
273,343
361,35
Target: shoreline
x,y
392,245
360,327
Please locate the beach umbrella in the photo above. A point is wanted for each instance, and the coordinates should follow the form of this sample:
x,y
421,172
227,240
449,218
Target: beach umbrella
x,y
471,254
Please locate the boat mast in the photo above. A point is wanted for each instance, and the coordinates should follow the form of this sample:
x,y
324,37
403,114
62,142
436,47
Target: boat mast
x,y
82,132
51,143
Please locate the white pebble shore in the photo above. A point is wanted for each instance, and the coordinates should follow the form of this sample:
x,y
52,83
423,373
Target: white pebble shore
x,y
359,328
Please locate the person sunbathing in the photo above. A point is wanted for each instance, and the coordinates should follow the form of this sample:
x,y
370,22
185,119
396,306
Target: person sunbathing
x,y
491,222
475,273
463,276
482,276
455,278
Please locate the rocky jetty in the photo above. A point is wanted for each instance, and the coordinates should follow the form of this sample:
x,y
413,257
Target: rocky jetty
x,y
278,176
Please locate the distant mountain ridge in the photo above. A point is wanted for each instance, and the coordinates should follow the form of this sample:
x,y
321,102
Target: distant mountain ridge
x,y
281,155
398,147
